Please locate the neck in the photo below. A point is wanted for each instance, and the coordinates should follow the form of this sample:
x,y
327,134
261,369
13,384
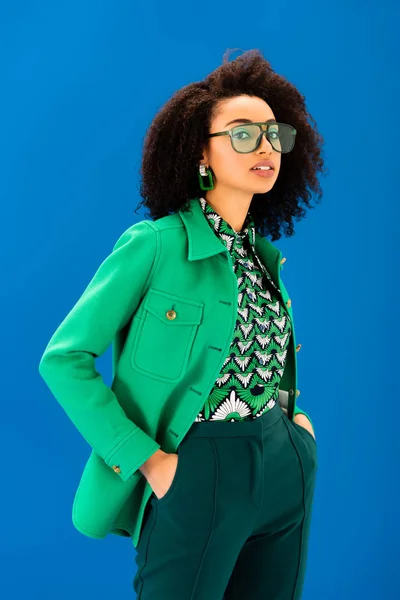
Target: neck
x,y
235,210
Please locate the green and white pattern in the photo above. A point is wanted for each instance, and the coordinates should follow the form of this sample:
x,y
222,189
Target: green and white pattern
x,y
248,384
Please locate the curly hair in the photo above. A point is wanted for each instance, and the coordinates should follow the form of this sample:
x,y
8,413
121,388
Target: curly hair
x,y
173,145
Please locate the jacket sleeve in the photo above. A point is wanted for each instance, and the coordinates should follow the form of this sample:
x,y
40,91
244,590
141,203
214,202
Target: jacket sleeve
x,y
68,362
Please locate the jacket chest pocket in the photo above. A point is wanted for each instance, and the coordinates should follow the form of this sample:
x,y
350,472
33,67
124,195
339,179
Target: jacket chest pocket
x,y
165,335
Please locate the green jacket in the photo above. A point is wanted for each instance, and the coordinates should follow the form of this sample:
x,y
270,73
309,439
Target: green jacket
x,y
154,398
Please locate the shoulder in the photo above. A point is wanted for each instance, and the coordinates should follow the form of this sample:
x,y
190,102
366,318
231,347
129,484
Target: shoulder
x,y
147,232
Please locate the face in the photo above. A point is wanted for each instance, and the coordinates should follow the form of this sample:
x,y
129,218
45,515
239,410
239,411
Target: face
x,y
232,169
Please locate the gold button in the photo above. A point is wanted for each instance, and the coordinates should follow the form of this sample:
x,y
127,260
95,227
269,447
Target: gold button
x,y
297,393
298,347
289,303
171,315
283,260
116,469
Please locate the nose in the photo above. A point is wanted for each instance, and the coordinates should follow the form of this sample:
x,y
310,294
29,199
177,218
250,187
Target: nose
x,y
264,143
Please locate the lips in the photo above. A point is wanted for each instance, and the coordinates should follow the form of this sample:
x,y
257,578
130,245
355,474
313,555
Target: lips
x,y
264,163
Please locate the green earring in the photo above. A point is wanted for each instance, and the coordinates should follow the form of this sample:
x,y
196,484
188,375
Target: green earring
x,y
203,173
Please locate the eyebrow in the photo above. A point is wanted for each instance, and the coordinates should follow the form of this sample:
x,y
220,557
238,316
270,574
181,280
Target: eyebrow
x,y
246,121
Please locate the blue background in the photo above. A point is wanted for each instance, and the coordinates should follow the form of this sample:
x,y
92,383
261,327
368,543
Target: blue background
x,y
80,84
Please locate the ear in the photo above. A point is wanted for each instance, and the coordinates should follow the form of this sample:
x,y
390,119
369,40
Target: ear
x,y
205,154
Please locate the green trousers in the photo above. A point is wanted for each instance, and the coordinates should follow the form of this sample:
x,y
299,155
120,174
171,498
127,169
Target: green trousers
x,y
235,522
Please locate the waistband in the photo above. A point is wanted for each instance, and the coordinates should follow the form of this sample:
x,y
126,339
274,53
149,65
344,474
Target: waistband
x,y
236,428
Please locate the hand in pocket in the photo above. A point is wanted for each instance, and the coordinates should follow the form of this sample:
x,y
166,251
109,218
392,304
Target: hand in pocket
x,y
163,474
302,420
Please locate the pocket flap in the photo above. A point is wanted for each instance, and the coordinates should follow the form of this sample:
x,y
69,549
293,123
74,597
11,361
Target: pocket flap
x,y
188,312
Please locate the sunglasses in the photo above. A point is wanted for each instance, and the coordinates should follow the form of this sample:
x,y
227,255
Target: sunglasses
x,y
246,138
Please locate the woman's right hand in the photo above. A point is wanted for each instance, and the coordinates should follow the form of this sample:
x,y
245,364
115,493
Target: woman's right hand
x,y
161,473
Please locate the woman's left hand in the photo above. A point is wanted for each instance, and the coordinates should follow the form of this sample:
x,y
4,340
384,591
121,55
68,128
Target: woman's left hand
x,y
302,420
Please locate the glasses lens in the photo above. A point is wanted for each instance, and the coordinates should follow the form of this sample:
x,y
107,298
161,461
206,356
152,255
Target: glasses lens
x,y
280,136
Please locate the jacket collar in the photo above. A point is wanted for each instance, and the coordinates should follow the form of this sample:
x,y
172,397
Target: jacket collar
x,y
203,241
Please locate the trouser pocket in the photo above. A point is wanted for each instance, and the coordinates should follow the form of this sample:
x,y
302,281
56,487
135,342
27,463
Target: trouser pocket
x,y
177,476
304,431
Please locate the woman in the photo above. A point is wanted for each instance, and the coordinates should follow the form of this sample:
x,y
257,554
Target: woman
x,y
200,451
